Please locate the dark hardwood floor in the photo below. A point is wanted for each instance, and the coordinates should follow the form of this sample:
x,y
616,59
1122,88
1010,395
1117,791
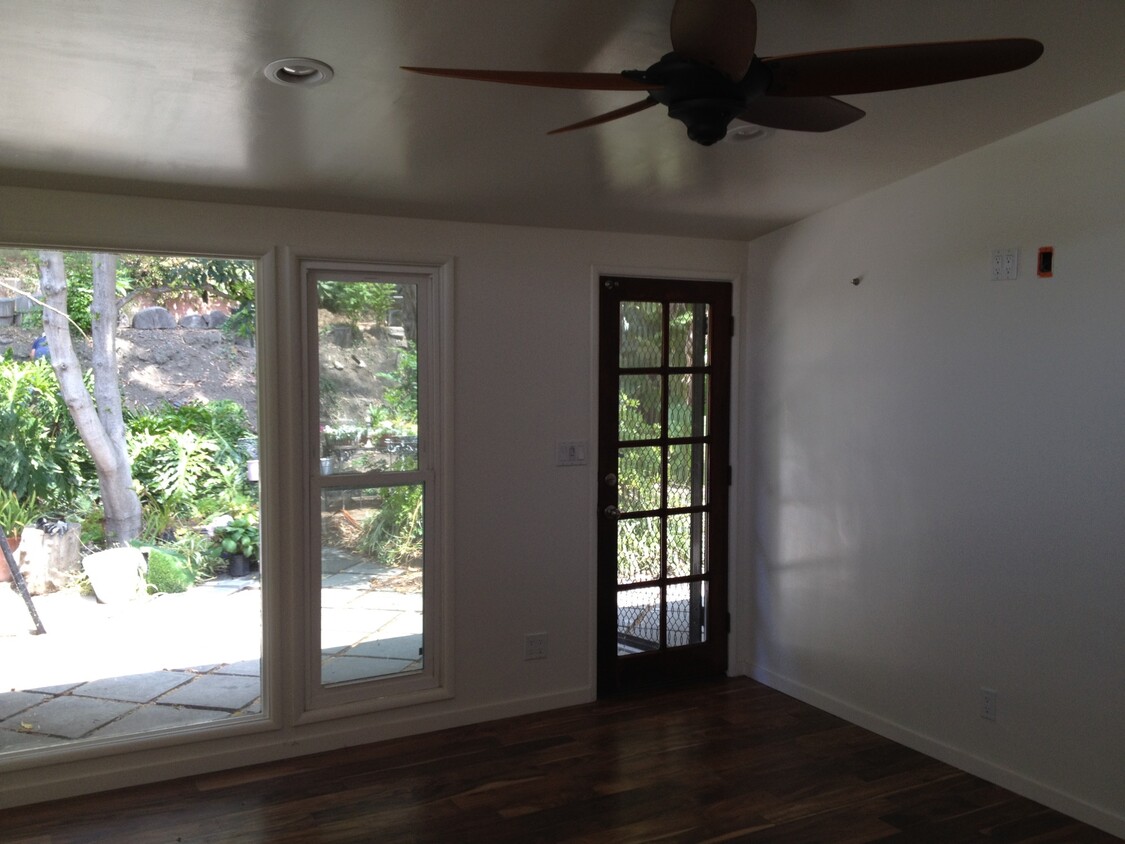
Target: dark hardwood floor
x,y
729,761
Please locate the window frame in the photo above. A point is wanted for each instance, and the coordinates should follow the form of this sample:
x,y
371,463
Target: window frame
x,y
434,680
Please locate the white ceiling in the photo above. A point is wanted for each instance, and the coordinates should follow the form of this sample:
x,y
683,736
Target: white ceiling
x,y
167,98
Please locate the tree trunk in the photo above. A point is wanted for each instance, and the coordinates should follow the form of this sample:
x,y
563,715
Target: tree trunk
x,y
102,428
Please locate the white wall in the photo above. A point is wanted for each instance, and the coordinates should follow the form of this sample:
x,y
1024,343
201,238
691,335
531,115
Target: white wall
x,y
939,464
522,528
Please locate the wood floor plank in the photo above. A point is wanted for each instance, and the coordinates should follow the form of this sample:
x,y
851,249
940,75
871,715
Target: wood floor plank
x,y
733,761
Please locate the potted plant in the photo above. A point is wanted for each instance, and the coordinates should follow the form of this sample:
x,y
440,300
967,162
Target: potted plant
x,y
14,516
237,541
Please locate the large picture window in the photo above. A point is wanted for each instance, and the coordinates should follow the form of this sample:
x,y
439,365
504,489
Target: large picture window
x,y
130,593
372,421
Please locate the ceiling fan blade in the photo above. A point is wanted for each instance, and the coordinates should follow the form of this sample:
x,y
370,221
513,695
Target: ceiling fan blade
x,y
801,114
868,69
720,34
543,79
608,116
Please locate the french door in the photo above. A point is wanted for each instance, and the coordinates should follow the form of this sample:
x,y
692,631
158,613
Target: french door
x,y
663,445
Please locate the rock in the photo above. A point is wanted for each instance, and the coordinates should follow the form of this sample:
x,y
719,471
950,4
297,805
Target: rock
x,y
203,339
193,321
154,317
342,335
215,319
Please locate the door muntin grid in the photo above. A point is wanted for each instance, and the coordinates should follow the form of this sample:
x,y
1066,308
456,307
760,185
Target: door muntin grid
x,y
663,475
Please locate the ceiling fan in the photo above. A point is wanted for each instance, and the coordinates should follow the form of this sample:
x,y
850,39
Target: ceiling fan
x,y
712,75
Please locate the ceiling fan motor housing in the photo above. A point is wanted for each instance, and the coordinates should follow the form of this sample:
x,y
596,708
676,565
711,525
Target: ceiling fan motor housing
x,y
703,99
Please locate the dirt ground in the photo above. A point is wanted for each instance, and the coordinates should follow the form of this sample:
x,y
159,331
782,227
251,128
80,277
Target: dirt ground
x,y
185,364
175,365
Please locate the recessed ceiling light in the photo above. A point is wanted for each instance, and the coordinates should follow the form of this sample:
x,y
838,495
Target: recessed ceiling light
x,y
305,72
748,132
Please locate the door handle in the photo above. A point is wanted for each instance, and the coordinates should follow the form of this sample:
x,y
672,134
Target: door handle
x,y
611,512
610,479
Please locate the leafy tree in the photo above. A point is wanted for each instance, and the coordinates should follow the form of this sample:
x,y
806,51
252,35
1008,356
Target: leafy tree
x,y
357,300
97,417
230,280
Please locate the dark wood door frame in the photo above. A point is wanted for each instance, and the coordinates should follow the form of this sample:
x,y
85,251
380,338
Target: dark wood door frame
x,y
693,659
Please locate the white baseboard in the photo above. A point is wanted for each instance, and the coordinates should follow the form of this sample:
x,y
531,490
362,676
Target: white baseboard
x,y
958,758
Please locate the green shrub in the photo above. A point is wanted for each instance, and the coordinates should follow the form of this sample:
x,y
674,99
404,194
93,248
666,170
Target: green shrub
x,y
242,322
42,458
14,514
394,534
187,460
400,396
168,571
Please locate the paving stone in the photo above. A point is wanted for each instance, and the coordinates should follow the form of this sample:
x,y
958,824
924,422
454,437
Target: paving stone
x,y
340,597
247,668
344,669
347,626
347,580
216,691
156,717
13,702
54,690
15,740
403,624
68,716
397,647
139,688
393,601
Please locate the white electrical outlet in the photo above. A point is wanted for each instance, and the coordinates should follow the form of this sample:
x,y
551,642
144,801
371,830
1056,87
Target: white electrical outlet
x,y
1005,263
535,646
988,704
1012,263
997,264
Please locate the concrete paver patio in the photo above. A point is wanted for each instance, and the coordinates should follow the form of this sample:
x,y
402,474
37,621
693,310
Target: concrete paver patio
x,y
174,660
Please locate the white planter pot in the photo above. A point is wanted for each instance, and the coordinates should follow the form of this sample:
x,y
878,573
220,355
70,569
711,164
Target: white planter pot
x,y
117,574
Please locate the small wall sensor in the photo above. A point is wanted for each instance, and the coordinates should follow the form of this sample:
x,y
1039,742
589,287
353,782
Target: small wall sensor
x,y
857,280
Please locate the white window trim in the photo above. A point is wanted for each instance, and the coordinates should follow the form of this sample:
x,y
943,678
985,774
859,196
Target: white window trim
x,y
434,681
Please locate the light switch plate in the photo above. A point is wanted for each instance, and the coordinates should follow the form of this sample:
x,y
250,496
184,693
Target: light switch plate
x,y
571,453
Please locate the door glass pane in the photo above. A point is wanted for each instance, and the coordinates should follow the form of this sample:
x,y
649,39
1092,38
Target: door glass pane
x,y
687,475
642,334
687,546
688,343
371,582
638,479
368,376
687,616
638,620
687,405
638,549
639,403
